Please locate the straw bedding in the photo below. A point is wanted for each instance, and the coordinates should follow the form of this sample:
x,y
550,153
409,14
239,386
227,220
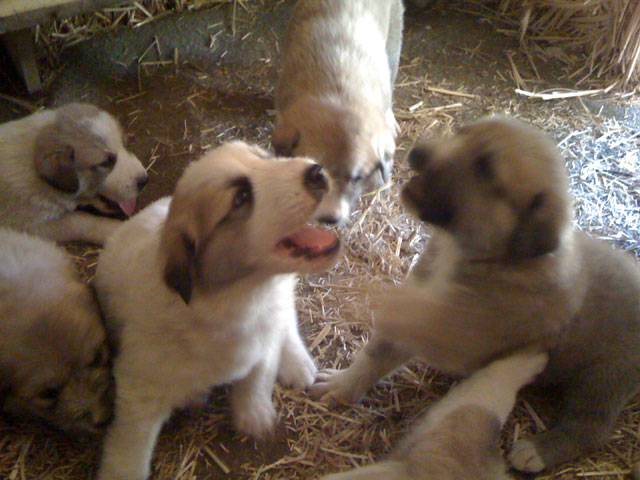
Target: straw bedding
x,y
441,83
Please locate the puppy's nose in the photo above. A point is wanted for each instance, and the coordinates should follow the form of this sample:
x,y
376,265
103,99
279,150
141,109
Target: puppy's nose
x,y
141,182
315,179
419,156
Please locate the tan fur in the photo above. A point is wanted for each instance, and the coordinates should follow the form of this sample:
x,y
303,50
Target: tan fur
x,y
458,437
53,355
504,270
202,286
333,97
55,161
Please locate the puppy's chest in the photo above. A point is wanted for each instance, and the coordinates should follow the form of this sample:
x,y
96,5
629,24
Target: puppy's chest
x,y
239,338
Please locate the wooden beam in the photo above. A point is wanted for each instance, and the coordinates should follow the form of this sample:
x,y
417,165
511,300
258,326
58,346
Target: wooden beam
x,y
22,50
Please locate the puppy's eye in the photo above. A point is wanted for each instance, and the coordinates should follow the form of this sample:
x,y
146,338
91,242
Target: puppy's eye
x,y
110,161
537,201
243,195
99,358
50,394
356,178
483,168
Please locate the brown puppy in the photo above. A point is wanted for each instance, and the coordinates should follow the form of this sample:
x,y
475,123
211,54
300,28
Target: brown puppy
x,y
53,355
504,269
333,97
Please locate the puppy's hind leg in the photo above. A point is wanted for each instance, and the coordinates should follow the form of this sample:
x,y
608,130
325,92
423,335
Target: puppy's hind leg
x,y
377,359
588,413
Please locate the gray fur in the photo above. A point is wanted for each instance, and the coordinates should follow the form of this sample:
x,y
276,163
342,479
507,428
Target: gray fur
x,y
508,271
54,161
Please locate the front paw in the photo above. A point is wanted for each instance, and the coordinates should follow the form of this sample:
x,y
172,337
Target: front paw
x,y
256,419
525,457
297,370
336,387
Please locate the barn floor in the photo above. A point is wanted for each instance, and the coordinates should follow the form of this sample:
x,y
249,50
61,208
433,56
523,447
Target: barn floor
x,y
185,83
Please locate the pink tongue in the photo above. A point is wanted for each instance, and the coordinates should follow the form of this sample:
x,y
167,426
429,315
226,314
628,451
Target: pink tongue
x,y
316,239
128,207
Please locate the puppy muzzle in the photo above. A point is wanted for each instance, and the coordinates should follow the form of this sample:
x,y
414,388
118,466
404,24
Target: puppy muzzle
x,y
430,195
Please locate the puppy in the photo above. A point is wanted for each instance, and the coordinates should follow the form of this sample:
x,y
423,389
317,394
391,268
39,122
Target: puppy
x,y
53,355
333,96
199,292
458,438
504,270
54,162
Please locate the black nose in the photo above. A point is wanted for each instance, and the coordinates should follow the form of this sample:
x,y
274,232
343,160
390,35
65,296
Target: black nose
x,y
419,156
315,179
141,182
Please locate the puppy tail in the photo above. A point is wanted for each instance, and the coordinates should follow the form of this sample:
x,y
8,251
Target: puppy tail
x,y
389,470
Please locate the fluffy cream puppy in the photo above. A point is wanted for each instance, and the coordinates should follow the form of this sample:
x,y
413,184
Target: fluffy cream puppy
x,y
199,292
56,161
53,355
458,437
333,96
504,269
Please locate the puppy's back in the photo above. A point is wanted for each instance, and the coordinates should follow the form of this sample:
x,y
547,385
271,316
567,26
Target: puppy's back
x,y
458,438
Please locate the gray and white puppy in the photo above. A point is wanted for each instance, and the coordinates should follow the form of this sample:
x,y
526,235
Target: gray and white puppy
x,y
504,270
333,97
53,355
458,437
54,162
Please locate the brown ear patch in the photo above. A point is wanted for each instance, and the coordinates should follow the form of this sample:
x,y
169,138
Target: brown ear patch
x,y
178,270
57,169
538,229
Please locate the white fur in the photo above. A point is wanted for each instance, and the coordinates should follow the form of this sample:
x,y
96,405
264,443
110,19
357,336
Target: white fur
x,y
29,204
242,332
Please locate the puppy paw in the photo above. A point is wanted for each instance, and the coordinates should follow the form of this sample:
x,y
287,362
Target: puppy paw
x,y
297,370
257,419
525,458
336,387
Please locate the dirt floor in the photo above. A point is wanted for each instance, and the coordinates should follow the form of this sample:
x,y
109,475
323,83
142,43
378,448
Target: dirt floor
x,y
212,81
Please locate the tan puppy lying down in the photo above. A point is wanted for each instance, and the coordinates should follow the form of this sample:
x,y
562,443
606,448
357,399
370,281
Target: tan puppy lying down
x,y
199,290
53,355
504,269
458,437
56,161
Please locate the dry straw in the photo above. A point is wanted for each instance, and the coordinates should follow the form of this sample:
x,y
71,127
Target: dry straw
x,y
598,39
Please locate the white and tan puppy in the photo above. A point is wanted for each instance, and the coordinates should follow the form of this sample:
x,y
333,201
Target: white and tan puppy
x,y
504,269
199,292
333,97
54,162
458,437
53,354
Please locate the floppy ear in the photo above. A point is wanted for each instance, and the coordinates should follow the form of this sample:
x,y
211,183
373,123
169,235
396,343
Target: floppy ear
x,y
539,227
54,161
285,139
180,251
